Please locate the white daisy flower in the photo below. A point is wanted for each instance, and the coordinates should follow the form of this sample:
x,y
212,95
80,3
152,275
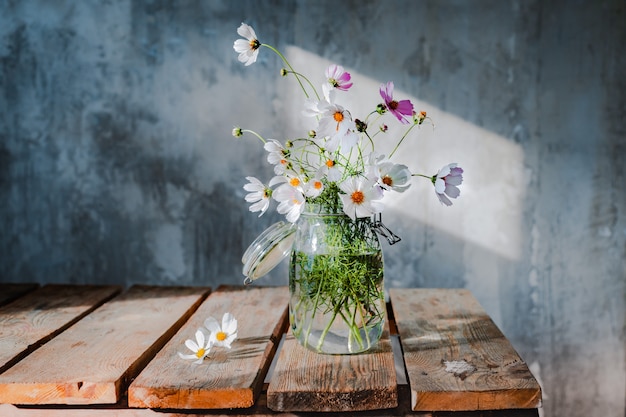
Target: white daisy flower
x,y
330,170
277,156
248,48
360,197
337,125
200,348
291,201
313,188
394,177
222,335
259,195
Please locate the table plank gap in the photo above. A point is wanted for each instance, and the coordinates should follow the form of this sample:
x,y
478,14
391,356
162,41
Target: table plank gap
x,y
91,362
456,357
310,382
10,291
227,378
38,316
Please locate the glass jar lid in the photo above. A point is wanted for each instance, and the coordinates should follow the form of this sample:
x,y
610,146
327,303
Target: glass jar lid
x,y
268,250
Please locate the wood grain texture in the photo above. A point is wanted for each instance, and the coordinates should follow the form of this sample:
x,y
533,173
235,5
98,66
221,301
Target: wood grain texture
x,y
9,292
227,378
259,409
307,381
443,328
38,316
91,361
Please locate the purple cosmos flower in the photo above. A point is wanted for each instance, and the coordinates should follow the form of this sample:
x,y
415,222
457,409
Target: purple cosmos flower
x,y
446,182
397,108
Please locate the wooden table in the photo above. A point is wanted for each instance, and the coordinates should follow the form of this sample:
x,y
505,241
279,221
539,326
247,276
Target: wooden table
x,y
101,351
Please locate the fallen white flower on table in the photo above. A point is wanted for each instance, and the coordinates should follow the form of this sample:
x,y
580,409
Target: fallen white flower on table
x,y
222,335
200,348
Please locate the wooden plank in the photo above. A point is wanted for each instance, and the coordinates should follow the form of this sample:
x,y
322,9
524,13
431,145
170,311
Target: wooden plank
x,y
456,357
91,361
227,378
9,292
259,409
307,381
30,321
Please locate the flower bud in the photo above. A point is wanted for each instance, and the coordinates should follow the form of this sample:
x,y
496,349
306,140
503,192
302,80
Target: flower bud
x,y
418,118
312,134
237,132
283,72
360,126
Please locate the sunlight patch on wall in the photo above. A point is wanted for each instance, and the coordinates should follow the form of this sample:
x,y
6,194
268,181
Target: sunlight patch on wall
x,y
488,212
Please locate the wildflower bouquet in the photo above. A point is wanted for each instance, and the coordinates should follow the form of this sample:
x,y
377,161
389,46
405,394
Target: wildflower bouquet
x,y
336,164
336,276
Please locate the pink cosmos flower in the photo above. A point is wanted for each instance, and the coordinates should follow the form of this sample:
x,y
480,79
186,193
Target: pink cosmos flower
x,y
446,182
338,78
397,108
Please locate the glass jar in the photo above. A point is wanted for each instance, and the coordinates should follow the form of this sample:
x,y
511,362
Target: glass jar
x,y
337,303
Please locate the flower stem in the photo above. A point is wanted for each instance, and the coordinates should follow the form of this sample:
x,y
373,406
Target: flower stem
x,y
255,134
308,82
277,52
320,342
401,139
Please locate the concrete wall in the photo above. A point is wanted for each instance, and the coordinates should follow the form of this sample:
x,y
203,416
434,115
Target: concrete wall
x,y
117,163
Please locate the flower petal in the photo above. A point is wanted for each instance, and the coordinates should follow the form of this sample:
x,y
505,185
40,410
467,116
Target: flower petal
x,y
452,191
193,346
200,338
229,323
440,186
212,325
445,200
187,357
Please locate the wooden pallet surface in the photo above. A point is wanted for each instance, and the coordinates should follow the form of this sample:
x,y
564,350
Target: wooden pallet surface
x,y
120,358
228,378
39,315
456,357
306,381
90,362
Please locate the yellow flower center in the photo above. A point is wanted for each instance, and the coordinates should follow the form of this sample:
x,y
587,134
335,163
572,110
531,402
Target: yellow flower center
x,y
317,185
330,163
338,116
200,353
294,182
357,197
387,180
255,44
221,336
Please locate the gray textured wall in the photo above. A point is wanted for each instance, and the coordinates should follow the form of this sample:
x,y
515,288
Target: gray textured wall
x,y
117,164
